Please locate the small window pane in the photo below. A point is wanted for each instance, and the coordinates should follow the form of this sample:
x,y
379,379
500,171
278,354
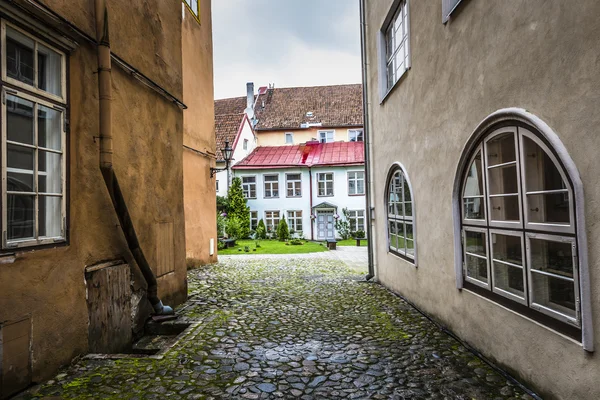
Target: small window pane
x,y
49,70
509,279
477,268
409,231
408,209
552,257
49,128
19,157
554,293
20,217
20,182
473,208
501,149
474,182
475,243
549,208
19,120
49,172
507,248
505,208
19,56
503,180
540,172
393,235
50,224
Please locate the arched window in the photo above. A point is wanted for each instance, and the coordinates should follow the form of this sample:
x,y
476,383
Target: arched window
x,y
519,234
400,215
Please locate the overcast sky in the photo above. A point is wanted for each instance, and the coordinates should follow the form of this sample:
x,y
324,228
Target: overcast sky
x,y
285,42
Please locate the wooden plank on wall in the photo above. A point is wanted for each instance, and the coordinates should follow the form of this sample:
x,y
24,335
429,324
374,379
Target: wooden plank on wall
x,y
165,256
15,356
109,309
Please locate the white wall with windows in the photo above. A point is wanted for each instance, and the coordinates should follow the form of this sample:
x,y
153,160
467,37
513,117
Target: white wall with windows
x,y
244,144
293,199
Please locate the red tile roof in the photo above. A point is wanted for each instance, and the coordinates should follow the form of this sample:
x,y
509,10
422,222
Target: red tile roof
x,y
331,106
311,154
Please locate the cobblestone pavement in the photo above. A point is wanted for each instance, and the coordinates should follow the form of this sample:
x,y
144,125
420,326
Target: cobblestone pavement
x,y
304,328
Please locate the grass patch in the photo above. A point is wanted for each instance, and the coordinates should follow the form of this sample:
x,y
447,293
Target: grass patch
x,y
352,242
272,247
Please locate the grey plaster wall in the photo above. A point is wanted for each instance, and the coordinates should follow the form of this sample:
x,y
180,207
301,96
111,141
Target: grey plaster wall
x,y
539,55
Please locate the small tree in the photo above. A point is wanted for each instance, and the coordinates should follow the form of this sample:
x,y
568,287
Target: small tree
x,y
283,232
238,208
222,205
233,228
221,223
343,225
261,230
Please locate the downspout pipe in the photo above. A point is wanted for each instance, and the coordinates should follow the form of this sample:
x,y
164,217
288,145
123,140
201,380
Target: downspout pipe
x,y
367,140
310,185
106,157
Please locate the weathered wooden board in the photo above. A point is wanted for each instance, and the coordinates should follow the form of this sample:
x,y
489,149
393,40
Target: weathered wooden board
x,y
15,356
109,309
164,248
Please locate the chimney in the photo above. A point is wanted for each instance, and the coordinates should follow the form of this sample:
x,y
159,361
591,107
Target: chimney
x,y
250,100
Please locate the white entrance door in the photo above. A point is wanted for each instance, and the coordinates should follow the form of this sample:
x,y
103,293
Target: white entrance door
x,y
325,225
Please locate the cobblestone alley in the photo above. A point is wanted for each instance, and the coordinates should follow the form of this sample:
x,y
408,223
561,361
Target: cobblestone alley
x,y
295,327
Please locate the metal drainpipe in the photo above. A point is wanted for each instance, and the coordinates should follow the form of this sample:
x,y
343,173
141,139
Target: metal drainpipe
x,y
312,228
106,152
363,51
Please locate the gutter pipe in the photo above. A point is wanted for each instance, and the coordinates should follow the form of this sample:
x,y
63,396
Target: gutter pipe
x,y
106,157
367,140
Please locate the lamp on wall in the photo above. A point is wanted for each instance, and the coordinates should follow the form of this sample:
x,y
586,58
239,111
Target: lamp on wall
x,y
227,154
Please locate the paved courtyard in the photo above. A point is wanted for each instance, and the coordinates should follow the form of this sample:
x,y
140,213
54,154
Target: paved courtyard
x,y
304,327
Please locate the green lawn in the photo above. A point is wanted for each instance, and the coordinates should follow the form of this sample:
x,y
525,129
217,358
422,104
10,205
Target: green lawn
x,y
273,247
352,242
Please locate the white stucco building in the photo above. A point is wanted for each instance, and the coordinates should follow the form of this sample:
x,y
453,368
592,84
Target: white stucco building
x,y
308,184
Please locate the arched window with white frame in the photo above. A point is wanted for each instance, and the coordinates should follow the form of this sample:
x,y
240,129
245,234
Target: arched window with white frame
x,y
400,215
520,243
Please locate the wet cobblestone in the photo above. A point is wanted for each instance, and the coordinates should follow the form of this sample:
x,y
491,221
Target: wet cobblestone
x,y
293,329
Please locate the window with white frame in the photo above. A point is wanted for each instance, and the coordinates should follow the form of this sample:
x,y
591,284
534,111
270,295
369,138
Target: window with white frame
x,y
326,136
400,220
518,226
217,185
271,185
33,140
294,219
355,135
245,145
249,186
356,183
253,220
271,220
294,185
325,184
356,219
289,138
194,7
395,36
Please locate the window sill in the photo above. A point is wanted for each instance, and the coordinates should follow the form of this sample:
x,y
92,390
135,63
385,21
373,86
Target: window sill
x,y
325,195
356,195
403,257
272,197
390,90
293,197
31,246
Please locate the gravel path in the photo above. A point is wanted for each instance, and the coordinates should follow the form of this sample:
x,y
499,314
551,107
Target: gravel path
x,y
302,327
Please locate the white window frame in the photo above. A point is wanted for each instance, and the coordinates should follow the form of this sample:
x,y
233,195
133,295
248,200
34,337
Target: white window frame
x,y
253,220
33,88
296,184
399,7
523,300
271,186
354,134
322,179
356,179
353,215
487,256
289,135
270,221
247,187
412,259
294,220
37,97
553,146
326,137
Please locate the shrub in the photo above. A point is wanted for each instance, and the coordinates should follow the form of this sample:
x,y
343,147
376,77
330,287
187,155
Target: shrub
x,y
222,205
233,228
283,232
221,222
296,242
360,234
257,244
261,230
221,245
343,225
247,249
